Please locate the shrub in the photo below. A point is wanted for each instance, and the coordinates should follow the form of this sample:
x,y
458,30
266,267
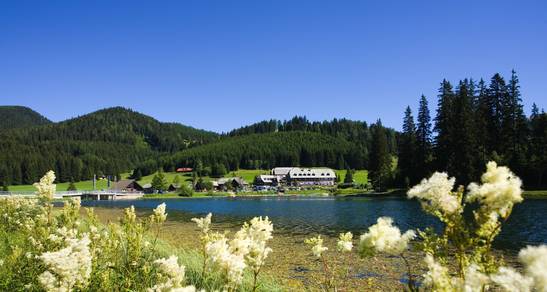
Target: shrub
x,y
185,190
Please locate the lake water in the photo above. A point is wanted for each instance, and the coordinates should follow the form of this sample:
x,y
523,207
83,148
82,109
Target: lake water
x,y
330,215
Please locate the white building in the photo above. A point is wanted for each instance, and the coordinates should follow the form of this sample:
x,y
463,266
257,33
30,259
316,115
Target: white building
x,y
299,176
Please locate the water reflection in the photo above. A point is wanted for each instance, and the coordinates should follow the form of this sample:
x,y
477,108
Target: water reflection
x,y
327,215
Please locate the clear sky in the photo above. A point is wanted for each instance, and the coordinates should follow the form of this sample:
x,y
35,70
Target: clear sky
x,y
218,65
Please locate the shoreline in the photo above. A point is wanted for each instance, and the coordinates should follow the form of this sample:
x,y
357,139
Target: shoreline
x,y
291,262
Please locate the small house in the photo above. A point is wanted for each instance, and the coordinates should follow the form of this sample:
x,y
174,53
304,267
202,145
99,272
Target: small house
x,y
173,187
127,185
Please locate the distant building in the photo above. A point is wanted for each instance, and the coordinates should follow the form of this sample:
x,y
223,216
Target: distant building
x,y
147,188
267,180
173,187
236,183
127,185
281,171
311,177
184,169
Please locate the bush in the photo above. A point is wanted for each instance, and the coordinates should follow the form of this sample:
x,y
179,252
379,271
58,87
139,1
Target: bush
x,y
185,190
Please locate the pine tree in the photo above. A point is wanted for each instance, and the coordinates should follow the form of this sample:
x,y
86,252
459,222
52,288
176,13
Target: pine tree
x,y
407,148
348,179
497,93
443,121
176,180
514,128
537,151
462,147
71,186
159,183
423,140
483,114
380,160
137,174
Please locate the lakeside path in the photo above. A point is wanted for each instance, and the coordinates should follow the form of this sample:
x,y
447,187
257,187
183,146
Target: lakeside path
x,y
291,262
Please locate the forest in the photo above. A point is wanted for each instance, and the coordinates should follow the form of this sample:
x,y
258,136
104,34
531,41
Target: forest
x,y
106,142
474,122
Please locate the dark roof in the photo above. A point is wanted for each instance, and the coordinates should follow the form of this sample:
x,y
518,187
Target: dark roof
x,y
126,184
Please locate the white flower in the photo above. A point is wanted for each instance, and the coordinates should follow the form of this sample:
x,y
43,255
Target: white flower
x,y
499,191
130,215
345,243
317,245
437,191
231,265
170,267
72,265
437,277
203,223
474,279
535,260
384,237
251,240
511,280
45,188
159,215
49,282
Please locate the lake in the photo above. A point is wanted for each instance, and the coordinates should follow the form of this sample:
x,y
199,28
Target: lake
x,y
331,215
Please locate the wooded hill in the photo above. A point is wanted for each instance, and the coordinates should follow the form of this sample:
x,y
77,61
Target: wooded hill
x,y
108,141
20,117
474,122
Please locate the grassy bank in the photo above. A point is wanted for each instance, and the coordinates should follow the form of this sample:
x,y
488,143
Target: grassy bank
x,y
536,194
359,177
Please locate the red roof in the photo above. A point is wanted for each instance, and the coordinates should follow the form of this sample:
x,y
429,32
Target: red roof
x,y
184,169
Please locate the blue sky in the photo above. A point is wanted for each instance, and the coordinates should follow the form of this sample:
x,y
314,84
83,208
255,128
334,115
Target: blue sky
x,y
218,65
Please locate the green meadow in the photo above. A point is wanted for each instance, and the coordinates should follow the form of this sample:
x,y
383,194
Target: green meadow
x,y
359,177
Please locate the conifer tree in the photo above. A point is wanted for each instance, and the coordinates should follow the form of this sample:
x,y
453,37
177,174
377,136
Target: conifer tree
x,y
482,116
380,160
159,183
423,140
348,179
443,122
407,149
71,186
462,149
514,128
497,93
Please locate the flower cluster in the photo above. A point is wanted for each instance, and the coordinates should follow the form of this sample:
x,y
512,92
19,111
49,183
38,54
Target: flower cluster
x,y
317,245
71,265
230,258
159,215
230,264
535,260
499,191
436,194
203,223
45,188
256,234
345,242
384,237
174,274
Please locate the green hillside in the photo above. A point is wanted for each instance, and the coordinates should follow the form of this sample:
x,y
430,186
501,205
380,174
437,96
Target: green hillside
x,y
108,141
13,117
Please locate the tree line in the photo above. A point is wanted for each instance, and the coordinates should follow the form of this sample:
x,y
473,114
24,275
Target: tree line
x,y
298,142
474,123
109,142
